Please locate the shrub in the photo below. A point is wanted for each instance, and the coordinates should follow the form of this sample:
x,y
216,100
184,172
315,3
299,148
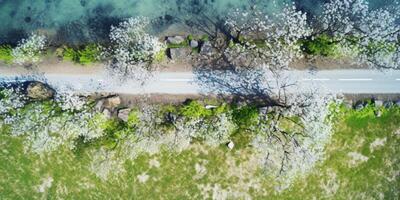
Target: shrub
x,y
322,45
245,116
194,110
87,55
6,53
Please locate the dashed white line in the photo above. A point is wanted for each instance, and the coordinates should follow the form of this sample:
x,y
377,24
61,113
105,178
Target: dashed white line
x,y
316,79
177,80
355,79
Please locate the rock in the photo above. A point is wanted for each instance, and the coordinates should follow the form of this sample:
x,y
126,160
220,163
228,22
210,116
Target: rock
x,y
230,145
378,103
179,53
112,102
39,91
388,104
206,48
99,106
123,114
194,43
175,39
359,106
398,103
210,107
107,113
378,113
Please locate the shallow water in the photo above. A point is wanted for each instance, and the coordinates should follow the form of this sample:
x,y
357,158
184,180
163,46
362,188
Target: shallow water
x,y
76,21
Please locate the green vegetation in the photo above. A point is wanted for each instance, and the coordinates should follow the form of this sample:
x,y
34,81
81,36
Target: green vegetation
x,y
87,55
322,45
361,161
6,54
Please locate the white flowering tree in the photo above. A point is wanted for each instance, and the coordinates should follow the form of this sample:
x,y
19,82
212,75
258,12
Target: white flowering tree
x,y
133,51
250,38
28,51
47,125
369,35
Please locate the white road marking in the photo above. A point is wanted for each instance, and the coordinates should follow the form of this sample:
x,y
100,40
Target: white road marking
x,y
397,79
177,80
316,79
355,79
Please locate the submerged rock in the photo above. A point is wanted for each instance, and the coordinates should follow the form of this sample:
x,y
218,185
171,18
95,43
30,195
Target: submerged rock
x,y
39,91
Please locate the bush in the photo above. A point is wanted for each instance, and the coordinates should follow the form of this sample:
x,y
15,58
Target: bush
x,y
194,110
245,116
322,45
6,53
88,55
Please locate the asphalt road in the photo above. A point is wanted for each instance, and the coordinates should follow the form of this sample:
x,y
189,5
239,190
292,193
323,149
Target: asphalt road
x,y
336,81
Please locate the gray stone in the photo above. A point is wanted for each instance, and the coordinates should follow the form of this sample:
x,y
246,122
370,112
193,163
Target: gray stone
x,y
388,104
112,102
123,114
230,145
179,53
206,48
378,103
194,43
208,107
175,39
39,91
107,113
359,106
99,106
378,113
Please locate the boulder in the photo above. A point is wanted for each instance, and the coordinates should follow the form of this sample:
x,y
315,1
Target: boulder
x,y
179,53
194,43
39,91
123,114
99,106
388,104
378,113
175,39
208,107
112,102
378,103
107,113
359,106
206,48
230,145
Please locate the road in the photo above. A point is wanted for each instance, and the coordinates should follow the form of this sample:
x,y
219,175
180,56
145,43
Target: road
x,y
337,81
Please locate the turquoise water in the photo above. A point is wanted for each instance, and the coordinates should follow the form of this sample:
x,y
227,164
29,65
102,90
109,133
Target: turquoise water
x,y
76,21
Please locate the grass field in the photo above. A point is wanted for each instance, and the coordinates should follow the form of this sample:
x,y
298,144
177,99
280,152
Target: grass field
x,y
362,162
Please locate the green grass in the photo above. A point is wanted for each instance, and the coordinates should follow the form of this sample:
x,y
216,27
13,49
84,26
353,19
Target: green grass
x,y
176,178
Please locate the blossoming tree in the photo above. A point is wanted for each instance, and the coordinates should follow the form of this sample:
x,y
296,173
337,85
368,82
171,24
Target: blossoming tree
x,y
28,51
133,51
369,35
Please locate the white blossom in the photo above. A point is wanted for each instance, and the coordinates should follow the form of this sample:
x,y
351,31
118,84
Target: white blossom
x,y
29,50
133,51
